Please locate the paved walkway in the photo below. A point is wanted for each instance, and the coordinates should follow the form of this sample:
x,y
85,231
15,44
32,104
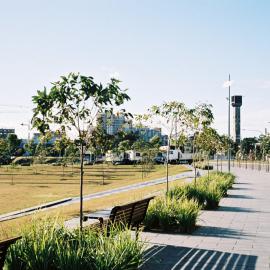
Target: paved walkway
x,y
236,236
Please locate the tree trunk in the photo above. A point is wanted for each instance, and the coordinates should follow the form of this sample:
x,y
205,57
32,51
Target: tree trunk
x,y
194,162
208,165
167,167
81,186
103,176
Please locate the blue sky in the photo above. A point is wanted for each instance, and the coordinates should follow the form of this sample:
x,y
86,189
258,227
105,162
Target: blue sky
x,y
162,50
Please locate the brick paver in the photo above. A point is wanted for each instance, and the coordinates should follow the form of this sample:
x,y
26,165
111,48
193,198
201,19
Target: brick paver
x,y
236,236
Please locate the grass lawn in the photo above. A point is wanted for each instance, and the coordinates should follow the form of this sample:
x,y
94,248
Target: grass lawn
x,y
24,187
13,227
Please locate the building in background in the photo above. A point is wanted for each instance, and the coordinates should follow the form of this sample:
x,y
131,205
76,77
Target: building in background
x,y
236,104
4,132
147,133
112,123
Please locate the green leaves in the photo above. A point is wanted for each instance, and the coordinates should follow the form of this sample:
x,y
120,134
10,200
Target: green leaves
x,y
74,101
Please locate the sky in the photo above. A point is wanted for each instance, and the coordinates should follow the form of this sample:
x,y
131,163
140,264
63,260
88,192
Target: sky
x,y
161,51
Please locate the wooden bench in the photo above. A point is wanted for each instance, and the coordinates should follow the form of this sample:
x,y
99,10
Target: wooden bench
x,y
130,215
4,245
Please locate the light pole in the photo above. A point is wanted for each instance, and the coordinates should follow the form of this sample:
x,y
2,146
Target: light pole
x,y
225,85
229,125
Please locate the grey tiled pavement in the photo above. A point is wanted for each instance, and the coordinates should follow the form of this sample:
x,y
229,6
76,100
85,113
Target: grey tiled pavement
x,y
236,236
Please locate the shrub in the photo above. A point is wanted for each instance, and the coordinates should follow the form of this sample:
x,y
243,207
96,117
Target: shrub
x,y
170,214
213,195
189,191
207,192
48,245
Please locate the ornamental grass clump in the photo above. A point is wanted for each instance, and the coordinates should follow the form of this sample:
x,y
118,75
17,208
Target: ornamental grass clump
x,y
208,190
48,245
213,195
170,214
189,191
224,181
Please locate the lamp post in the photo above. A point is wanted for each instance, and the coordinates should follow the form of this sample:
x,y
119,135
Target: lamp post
x,y
229,125
225,85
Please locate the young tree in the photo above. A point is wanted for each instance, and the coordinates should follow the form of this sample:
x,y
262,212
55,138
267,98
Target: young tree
x,y
43,148
30,147
61,143
100,141
247,145
208,141
13,144
199,118
73,103
173,117
4,152
265,145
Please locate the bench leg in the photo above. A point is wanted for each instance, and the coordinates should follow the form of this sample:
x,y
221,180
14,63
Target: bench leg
x,y
137,232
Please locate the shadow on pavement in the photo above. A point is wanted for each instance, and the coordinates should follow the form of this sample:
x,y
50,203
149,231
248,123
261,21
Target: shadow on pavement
x,y
239,196
241,188
208,231
237,209
160,257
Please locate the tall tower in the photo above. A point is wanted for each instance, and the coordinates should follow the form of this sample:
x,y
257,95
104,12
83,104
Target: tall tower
x,y
237,103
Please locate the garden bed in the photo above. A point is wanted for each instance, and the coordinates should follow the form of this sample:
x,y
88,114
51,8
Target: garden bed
x,y
48,245
179,209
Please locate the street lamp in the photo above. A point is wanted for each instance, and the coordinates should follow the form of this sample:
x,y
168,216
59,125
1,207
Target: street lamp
x,y
225,85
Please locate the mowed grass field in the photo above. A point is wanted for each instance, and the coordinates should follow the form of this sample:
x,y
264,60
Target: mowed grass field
x,y
22,187
16,226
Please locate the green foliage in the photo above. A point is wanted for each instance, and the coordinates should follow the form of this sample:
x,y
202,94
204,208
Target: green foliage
x,y
265,145
207,191
213,194
248,145
188,191
208,140
13,144
100,141
4,153
74,101
61,143
30,147
48,245
171,214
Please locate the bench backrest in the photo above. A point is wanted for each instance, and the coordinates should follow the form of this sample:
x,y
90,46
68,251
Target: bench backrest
x,y
131,214
4,245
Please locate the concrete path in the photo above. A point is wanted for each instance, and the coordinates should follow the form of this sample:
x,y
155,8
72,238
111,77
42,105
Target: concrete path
x,y
236,236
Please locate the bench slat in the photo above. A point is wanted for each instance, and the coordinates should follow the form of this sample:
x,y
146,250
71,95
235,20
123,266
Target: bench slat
x,y
4,245
130,215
